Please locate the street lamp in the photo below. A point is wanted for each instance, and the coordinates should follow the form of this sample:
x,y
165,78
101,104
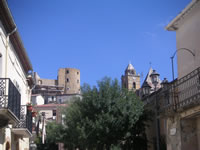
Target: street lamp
x,y
172,58
146,88
155,80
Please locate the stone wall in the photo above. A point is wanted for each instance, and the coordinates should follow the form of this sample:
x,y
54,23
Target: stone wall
x,y
70,79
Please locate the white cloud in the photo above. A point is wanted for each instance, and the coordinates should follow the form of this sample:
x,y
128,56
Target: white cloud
x,y
150,34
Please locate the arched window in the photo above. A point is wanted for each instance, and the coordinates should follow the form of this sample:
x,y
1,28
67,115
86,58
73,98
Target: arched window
x,y
7,146
134,85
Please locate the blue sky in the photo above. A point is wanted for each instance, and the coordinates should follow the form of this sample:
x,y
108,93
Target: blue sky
x,y
99,37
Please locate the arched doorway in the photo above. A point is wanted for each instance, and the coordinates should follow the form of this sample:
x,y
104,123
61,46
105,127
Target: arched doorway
x,y
7,146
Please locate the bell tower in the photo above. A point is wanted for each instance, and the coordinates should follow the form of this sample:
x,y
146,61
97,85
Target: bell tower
x,y
130,80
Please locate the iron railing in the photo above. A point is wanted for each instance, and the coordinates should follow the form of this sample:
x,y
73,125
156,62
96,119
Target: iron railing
x,y
10,98
25,119
182,93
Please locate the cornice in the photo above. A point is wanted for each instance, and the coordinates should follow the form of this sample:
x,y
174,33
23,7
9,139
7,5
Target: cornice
x,y
9,25
174,24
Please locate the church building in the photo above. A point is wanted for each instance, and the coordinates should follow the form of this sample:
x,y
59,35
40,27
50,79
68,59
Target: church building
x,y
130,80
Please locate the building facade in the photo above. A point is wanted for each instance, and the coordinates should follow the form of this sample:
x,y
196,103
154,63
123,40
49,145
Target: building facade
x,y
50,96
15,85
184,122
59,91
186,25
179,101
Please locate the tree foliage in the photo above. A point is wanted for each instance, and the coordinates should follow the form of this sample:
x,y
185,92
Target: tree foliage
x,y
106,117
54,133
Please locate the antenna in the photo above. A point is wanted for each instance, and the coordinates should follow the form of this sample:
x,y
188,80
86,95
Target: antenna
x,y
150,64
141,77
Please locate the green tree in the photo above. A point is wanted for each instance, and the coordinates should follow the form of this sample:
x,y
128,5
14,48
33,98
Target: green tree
x,y
106,117
53,136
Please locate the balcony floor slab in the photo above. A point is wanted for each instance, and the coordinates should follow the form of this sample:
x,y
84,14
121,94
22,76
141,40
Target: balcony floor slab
x,y
24,132
6,114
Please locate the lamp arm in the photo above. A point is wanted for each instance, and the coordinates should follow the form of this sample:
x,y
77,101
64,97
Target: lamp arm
x,y
186,49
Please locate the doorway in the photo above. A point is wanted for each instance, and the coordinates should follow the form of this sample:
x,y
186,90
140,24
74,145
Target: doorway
x,y
7,146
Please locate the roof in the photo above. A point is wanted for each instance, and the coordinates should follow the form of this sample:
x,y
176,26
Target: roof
x,y
174,24
9,25
130,67
49,105
148,80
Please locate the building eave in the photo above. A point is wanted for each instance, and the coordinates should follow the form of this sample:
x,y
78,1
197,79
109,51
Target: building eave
x,y
9,25
174,24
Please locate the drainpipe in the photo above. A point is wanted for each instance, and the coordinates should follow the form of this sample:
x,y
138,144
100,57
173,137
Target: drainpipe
x,y
7,45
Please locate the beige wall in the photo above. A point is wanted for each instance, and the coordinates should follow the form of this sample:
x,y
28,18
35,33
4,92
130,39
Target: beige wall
x,y
188,36
47,82
133,79
37,100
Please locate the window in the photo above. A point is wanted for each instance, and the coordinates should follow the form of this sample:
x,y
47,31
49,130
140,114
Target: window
x,y
1,92
134,85
67,71
77,81
53,98
67,80
77,73
43,113
54,112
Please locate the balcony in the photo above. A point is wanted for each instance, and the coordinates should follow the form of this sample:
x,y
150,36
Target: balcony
x,y
10,101
182,93
24,128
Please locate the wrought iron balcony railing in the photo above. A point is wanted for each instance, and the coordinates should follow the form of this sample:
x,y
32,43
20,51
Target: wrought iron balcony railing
x,y
25,119
10,98
182,93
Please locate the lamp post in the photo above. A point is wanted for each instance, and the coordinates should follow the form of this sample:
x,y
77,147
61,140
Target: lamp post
x,y
146,88
155,80
172,58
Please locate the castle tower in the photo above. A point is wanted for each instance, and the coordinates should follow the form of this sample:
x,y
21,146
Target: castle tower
x,y
69,78
130,80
